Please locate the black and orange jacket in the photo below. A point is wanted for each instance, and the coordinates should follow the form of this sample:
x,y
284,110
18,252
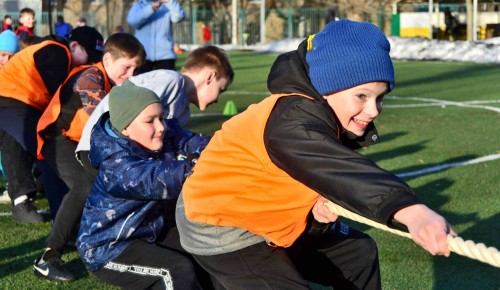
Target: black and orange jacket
x,y
264,170
33,75
65,114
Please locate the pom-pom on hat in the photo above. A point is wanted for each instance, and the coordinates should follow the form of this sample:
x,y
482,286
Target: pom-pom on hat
x,y
346,54
91,40
127,101
9,41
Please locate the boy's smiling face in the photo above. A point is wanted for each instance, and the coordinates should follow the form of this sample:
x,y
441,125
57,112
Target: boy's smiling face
x,y
27,19
148,128
120,69
358,106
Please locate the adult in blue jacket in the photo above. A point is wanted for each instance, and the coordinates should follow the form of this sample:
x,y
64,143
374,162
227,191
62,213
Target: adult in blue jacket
x,y
125,237
152,22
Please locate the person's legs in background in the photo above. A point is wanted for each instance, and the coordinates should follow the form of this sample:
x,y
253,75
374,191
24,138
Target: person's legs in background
x,y
154,65
146,67
164,64
18,169
59,152
20,123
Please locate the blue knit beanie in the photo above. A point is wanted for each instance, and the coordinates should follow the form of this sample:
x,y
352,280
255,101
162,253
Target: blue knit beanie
x,y
346,54
9,41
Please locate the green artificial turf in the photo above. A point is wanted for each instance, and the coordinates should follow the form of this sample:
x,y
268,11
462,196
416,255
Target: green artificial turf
x,y
413,137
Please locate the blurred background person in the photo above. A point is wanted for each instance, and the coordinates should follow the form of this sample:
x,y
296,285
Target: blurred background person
x,y
62,28
81,22
152,22
26,22
7,23
207,34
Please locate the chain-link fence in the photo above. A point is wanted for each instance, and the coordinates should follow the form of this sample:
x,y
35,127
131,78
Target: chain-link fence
x,y
279,24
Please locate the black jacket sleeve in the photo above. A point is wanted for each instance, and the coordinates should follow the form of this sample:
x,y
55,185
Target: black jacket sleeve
x,y
52,63
301,138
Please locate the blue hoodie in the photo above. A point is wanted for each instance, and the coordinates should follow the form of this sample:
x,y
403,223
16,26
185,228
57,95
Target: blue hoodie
x,y
124,203
154,28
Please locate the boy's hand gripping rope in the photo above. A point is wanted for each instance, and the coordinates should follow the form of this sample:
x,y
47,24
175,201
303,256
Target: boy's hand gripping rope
x,y
467,248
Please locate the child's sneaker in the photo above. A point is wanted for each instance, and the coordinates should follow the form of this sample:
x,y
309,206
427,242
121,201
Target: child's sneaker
x,y
52,269
5,198
26,212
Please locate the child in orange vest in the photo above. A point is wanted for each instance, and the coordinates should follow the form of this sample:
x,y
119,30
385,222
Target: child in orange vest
x,y
28,82
59,130
253,214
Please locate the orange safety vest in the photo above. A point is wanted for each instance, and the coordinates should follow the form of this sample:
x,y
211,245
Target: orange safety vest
x,y
235,183
21,80
53,111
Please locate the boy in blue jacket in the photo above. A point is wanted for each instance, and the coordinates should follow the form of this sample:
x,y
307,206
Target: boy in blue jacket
x,y
143,162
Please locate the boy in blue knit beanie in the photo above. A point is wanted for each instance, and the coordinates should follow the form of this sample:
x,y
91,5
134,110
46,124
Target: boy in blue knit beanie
x,y
253,212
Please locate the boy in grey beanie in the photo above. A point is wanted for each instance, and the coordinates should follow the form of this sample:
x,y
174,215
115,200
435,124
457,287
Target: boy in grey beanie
x,y
253,212
126,236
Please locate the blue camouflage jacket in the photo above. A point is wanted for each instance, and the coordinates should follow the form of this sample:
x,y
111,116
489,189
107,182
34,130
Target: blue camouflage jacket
x,y
125,201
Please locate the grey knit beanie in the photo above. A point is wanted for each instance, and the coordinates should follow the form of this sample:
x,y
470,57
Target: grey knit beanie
x,y
127,101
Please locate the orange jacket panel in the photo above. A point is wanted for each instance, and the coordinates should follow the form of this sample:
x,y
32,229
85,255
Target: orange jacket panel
x,y
22,81
235,183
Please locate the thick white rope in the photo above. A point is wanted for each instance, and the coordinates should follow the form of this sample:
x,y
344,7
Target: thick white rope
x,y
468,248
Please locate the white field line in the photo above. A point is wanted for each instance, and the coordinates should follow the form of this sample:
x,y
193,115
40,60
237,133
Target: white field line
x,y
425,103
444,103
450,165
8,213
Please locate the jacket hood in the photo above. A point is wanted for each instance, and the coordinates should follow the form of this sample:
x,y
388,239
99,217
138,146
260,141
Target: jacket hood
x,y
290,74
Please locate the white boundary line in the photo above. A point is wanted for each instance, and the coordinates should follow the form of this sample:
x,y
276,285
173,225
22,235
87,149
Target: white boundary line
x,y
8,213
425,103
444,103
450,165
